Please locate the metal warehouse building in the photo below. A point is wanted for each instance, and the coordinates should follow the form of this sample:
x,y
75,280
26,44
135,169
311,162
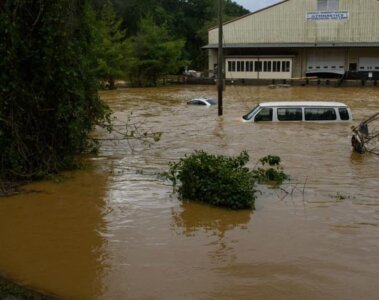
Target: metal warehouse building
x,y
297,38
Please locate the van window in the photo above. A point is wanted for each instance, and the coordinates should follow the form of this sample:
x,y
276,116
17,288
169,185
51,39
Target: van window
x,y
320,114
344,115
290,114
264,115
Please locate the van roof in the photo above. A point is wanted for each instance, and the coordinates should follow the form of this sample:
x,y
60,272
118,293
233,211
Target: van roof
x,y
303,103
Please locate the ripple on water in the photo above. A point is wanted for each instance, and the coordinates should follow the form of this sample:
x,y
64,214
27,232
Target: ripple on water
x,y
112,231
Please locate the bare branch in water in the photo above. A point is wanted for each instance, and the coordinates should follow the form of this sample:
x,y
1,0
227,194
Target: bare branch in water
x,y
365,140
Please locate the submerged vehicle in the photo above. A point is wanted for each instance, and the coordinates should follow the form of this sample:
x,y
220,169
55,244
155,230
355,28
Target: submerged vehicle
x,y
307,111
202,101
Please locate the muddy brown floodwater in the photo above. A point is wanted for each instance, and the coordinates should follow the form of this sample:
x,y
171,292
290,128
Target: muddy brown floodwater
x,y
115,231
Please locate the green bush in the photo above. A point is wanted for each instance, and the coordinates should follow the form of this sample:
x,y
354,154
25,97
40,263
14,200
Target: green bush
x,y
223,181
273,173
217,180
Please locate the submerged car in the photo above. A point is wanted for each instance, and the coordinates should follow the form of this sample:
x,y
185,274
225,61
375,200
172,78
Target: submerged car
x,y
307,111
202,101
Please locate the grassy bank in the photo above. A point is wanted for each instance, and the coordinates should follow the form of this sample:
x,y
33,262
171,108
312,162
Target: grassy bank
x,y
12,291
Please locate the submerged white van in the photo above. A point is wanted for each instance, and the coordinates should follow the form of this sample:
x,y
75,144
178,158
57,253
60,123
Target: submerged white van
x,y
308,111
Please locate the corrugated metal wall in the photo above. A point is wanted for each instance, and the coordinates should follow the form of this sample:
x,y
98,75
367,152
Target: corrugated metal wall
x,y
286,23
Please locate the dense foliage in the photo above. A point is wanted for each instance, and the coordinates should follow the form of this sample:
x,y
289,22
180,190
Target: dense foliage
x,y
48,91
54,54
112,49
155,54
218,180
187,20
221,180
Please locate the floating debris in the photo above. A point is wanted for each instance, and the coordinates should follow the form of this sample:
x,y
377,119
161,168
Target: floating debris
x,y
365,139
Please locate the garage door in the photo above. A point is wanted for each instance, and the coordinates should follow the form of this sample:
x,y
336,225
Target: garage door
x,y
368,64
326,61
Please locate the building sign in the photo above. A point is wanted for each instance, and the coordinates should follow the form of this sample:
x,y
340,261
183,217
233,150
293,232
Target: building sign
x,y
327,15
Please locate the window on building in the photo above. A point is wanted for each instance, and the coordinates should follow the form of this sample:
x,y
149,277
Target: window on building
x,y
258,66
276,66
264,115
320,114
242,66
249,66
327,5
290,114
285,66
267,66
238,66
231,66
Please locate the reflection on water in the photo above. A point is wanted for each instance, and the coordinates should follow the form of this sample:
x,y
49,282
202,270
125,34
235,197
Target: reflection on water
x,y
192,217
51,236
115,231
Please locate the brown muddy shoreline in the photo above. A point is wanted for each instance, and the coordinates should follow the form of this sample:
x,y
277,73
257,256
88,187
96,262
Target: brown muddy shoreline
x,y
9,290
9,188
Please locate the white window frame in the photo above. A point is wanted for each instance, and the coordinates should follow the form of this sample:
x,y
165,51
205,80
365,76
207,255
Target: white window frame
x,y
327,5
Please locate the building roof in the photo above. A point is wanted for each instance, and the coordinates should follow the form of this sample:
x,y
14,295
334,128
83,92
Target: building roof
x,y
294,45
251,13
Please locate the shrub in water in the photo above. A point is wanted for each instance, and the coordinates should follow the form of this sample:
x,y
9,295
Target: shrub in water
x,y
223,181
271,174
217,180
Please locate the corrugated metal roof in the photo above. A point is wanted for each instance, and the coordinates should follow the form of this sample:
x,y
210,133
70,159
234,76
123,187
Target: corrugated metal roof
x,y
294,45
249,14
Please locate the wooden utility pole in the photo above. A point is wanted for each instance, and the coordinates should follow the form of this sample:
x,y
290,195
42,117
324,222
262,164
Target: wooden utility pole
x,y
220,58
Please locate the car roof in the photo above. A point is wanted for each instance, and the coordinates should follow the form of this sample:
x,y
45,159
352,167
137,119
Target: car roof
x,y
303,103
203,99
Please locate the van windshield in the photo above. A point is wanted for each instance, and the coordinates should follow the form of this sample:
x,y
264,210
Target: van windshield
x,y
249,115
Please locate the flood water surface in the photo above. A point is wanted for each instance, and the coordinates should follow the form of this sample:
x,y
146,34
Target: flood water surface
x,y
116,231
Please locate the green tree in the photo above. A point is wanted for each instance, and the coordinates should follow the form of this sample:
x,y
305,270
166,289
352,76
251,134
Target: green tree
x,y
112,47
155,54
48,89
184,19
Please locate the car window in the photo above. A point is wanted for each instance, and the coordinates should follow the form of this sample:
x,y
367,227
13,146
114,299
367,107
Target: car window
x,y
290,114
320,114
264,115
197,102
344,114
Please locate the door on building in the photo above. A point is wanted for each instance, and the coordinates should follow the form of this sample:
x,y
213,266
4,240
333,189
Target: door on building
x,y
326,62
369,64
353,67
